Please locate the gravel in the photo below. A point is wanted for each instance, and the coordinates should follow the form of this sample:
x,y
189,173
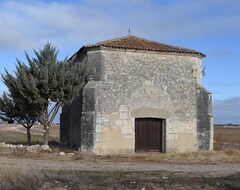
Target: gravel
x,y
221,169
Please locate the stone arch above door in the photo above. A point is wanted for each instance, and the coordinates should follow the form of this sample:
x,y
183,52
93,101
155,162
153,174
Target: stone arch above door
x,y
143,112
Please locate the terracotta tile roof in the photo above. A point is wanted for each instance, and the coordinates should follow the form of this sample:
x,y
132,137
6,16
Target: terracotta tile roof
x,y
133,42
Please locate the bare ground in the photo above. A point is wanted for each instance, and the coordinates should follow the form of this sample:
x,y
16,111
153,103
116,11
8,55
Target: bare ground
x,y
214,170
139,180
217,169
128,175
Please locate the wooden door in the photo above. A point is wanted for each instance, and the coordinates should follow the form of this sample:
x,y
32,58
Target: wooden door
x,y
148,135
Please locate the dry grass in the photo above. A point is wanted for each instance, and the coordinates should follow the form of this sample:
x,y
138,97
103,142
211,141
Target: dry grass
x,y
58,179
75,180
227,152
16,178
228,156
35,130
226,137
21,138
212,157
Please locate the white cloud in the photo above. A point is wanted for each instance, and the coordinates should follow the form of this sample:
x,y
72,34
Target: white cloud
x,y
28,24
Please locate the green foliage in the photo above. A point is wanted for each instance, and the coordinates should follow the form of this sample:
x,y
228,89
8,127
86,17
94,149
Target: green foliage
x,y
15,107
58,81
34,86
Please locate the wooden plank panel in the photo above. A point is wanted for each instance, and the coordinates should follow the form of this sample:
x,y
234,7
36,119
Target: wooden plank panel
x,y
148,134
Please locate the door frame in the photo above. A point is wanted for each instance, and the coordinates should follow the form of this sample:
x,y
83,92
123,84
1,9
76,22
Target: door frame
x,y
163,133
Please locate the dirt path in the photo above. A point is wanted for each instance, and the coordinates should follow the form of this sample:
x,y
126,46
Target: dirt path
x,y
84,174
219,169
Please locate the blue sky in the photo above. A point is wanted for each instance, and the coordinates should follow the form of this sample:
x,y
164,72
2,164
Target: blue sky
x,y
209,26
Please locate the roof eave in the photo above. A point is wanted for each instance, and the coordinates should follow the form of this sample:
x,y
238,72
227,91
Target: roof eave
x,y
86,48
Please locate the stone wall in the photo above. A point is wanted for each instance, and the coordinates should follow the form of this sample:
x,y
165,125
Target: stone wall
x,y
70,123
77,120
134,80
64,126
124,85
205,119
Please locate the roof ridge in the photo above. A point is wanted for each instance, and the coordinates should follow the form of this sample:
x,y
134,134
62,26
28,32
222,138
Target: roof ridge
x,y
112,40
134,42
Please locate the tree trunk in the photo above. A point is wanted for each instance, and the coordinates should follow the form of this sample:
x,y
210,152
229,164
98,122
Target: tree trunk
x,y
48,119
46,135
29,136
45,128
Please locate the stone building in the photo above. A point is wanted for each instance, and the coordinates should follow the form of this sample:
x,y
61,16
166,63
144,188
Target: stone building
x,y
140,95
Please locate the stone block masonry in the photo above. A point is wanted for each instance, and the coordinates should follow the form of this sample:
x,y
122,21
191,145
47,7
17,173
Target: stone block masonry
x,y
127,84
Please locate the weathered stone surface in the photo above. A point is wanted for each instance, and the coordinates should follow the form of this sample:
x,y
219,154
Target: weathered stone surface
x,y
70,123
127,84
205,119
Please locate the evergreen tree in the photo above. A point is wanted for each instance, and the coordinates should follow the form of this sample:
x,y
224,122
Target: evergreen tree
x,y
12,111
56,81
45,80
14,106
